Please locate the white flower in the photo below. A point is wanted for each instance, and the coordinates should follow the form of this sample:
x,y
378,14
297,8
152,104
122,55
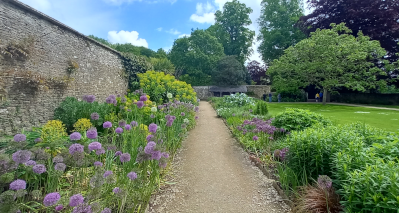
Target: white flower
x,y
154,109
186,120
169,95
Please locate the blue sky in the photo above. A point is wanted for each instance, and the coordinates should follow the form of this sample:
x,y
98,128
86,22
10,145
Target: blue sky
x,y
151,23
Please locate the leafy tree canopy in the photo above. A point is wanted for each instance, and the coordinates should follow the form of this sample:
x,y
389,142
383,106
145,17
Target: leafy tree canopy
x,y
257,72
196,55
278,32
163,65
231,29
329,59
229,72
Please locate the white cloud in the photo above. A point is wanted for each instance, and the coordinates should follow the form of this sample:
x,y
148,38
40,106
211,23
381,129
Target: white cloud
x,y
126,37
205,13
173,31
159,29
184,35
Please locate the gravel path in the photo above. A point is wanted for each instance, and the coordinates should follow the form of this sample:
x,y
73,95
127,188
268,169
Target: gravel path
x,y
212,173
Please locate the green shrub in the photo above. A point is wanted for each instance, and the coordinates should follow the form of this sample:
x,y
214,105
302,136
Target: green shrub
x,y
234,121
298,119
71,110
261,108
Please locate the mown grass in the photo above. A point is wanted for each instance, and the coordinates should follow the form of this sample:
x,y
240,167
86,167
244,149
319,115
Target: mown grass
x,y
381,118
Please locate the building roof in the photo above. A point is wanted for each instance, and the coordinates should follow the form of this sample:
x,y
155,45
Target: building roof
x,y
228,89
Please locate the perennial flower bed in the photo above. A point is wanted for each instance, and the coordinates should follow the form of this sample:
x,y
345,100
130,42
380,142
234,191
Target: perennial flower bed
x,y
97,157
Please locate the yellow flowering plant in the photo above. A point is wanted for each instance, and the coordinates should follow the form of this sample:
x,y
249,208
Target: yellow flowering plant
x,y
82,125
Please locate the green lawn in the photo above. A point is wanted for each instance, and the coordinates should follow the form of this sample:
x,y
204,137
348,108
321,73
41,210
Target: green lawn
x,y
384,119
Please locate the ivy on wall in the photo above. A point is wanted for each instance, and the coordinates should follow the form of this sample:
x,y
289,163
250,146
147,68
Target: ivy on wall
x,y
134,65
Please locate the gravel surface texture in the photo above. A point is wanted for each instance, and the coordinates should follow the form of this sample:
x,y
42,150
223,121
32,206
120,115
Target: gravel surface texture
x,y
212,173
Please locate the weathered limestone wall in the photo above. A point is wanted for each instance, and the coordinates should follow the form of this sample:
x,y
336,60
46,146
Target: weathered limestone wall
x,y
32,87
204,93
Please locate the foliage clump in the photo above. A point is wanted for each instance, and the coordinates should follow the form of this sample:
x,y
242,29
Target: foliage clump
x,y
229,72
134,65
261,108
298,119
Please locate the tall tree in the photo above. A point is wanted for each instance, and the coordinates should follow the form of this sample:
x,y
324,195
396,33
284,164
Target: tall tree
x,y
378,19
232,29
257,72
229,72
278,31
329,59
197,56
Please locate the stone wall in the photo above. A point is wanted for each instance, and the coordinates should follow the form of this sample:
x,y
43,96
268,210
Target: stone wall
x,y
258,90
32,87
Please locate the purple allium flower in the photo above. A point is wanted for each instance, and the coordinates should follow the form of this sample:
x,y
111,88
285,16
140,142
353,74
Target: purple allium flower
x,y
128,127
59,208
156,155
58,159
324,181
122,123
76,148
165,154
107,124
89,98
233,114
111,147
98,163
19,137
60,167
39,169
134,123
283,153
132,175
18,185
116,190
51,199
282,130
30,163
152,116
149,137
152,128
150,147
140,104
37,140
118,153
94,146
119,130
255,138
100,151
125,157
21,156
111,99
143,98
106,210
196,117
196,109
75,136
123,100
75,200
83,208
169,123
92,133
182,114
183,126
250,110
107,173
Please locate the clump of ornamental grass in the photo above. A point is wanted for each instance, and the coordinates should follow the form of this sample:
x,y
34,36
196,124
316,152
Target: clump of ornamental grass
x,y
318,198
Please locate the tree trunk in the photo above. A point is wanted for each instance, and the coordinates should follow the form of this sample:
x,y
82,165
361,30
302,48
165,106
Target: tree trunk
x,y
324,96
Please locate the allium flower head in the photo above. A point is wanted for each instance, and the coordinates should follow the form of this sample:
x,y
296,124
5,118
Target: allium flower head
x,y
118,153
169,95
152,128
128,127
149,137
156,155
119,130
132,175
92,133
186,120
100,151
111,99
95,116
116,190
94,146
51,199
76,148
150,147
152,116
18,185
75,136
19,137
107,173
134,123
60,167
39,169
196,117
165,155
183,126
75,200
196,109
324,181
58,159
125,157
182,114
98,164
111,147
30,163
122,123
255,138
37,140
123,100
143,98
154,109
21,156
59,208
107,124
106,210
140,104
